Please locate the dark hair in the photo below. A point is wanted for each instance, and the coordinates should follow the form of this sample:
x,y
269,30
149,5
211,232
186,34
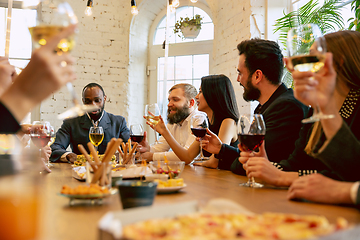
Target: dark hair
x,y
264,55
219,94
90,85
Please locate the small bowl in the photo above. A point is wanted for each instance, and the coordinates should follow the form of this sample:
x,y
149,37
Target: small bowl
x,y
136,193
152,177
173,167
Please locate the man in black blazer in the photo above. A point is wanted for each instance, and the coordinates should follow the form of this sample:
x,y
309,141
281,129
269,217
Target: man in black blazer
x,y
76,131
260,71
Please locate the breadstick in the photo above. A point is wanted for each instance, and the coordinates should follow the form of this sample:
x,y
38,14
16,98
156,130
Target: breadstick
x,y
129,142
97,174
83,151
93,152
133,149
125,152
112,150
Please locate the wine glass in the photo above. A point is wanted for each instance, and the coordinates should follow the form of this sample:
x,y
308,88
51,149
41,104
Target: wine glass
x,y
251,134
40,134
96,136
152,113
198,128
306,49
53,16
137,134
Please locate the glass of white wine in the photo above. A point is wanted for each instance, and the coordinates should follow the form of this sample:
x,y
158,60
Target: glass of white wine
x,y
306,50
152,113
53,16
96,136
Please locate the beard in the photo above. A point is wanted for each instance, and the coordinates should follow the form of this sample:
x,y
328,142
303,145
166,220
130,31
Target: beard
x,y
179,115
251,93
97,115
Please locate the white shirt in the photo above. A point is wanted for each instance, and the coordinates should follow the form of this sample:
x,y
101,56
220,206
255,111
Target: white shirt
x,y
181,133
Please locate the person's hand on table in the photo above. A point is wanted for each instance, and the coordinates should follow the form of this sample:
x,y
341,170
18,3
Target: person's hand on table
x,y
71,157
7,74
318,188
210,142
144,146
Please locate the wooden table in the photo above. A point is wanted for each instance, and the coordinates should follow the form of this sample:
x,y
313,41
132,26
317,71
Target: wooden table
x,y
61,221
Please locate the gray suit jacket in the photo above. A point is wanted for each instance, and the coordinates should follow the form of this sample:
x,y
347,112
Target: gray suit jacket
x,y
76,131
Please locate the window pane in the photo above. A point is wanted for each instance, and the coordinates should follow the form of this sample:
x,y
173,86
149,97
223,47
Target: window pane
x,y
183,67
2,31
159,36
20,39
206,17
206,32
201,65
184,12
197,83
170,66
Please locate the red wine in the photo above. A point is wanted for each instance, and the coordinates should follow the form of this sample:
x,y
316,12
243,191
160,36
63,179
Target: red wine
x,y
250,141
40,141
199,132
137,138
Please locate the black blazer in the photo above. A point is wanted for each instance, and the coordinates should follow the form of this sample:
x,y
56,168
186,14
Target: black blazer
x,y
76,131
282,114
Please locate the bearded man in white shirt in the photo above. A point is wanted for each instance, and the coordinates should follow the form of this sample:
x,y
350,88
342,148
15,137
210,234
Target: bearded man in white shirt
x,y
181,108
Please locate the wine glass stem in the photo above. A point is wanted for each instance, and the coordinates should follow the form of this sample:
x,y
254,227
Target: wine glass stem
x,y
201,150
156,140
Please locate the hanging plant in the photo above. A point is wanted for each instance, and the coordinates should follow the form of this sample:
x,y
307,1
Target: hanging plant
x,y
189,27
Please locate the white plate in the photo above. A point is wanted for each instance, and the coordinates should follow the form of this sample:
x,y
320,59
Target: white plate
x,y
80,169
170,189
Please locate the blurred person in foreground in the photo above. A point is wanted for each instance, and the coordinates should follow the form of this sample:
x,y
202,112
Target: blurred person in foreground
x,y
330,146
260,69
40,78
216,98
181,108
75,131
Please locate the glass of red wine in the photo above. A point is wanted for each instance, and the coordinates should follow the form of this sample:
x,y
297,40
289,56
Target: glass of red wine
x,y
137,134
251,134
198,127
40,134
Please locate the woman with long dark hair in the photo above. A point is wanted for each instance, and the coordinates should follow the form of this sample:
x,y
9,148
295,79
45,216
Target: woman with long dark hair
x,y
217,99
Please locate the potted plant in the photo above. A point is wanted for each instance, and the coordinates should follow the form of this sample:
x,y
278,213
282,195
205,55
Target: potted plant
x,y
189,27
326,16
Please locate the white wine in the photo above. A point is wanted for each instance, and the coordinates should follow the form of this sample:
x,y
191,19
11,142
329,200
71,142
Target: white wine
x,y
153,119
40,34
52,140
96,138
305,63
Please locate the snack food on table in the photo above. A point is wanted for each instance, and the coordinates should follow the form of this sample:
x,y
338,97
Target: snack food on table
x,y
208,226
84,190
179,182
80,159
127,152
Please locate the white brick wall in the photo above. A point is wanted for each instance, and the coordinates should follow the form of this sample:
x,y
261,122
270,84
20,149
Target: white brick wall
x,y
112,50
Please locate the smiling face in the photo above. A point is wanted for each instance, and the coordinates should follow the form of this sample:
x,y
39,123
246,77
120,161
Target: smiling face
x,y
178,107
201,101
95,96
251,93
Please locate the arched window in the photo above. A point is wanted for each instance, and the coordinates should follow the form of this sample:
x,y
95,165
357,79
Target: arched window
x,y
189,59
